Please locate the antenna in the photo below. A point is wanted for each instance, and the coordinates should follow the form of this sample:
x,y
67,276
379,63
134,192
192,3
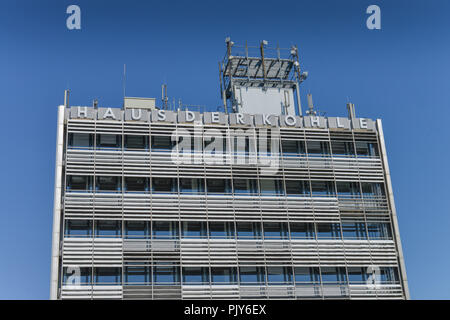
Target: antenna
x,y
66,98
310,110
164,97
124,78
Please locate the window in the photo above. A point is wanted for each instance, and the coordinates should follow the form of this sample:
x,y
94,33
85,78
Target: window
x,y
267,144
193,229
297,187
221,230
248,230
370,189
251,275
162,143
137,275
109,141
342,148
354,230
305,275
302,230
137,229
108,228
357,275
292,147
243,144
136,184
322,188
328,231
245,186
105,183
81,183
165,230
388,275
133,142
346,188
81,140
225,275
318,147
279,275
333,275
164,185
192,185
107,275
78,228
379,230
218,186
271,187
275,230
166,274
366,149
195,275
215,144
76,275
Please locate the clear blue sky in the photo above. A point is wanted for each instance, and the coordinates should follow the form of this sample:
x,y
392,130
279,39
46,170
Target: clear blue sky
x,y
399,73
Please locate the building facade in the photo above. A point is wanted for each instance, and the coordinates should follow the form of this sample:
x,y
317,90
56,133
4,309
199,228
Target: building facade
x,y
158,204
132,220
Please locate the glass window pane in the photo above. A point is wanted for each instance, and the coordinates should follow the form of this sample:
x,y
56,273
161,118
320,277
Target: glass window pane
x,y
343,148
245,186
108,183
136,184
252,275
137,229
195,275
218,186
248,230
279,275
225,275
318,147
137,275
166,274
192,185
164,185
77,275
328,231
307,275
221,230
302,230
78,228
271,187
297,187
80,140
108,141
108,228
322,188
275,230
193,229
107,275
165,230
136,142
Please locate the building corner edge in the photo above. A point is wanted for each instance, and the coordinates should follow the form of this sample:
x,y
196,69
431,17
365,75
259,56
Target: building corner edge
x,y
390,194
57,205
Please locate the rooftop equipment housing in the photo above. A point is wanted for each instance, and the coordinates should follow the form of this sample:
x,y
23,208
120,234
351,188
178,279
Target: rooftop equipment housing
x,y
139,103
264,83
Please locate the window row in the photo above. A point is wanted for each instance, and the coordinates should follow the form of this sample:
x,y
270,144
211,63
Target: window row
x,y
227,230
245,144
225,186
249,275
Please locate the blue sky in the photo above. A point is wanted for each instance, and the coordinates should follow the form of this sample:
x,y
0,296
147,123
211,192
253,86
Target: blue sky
x,y
399,73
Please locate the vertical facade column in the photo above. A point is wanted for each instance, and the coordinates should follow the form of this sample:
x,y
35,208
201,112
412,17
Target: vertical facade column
x,y
390,196
57,205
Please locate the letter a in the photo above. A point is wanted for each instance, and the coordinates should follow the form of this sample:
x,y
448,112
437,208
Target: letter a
x,y
74,20
373,21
